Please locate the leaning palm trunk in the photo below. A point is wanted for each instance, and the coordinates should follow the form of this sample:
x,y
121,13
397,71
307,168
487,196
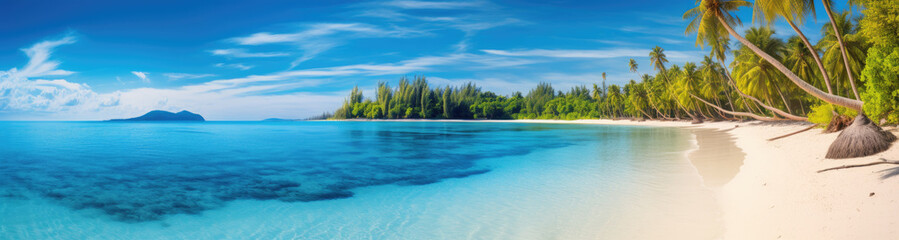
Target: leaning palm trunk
x,y
647,115
651,104
815,56
742,114
730,102
862,138
783,98
839,36
830,98
733,84
709,113
657,110
732,108
702,114
724,116
756,100
676,101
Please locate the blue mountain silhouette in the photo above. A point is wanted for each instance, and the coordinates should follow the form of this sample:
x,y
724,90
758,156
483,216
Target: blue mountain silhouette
x,y
159,115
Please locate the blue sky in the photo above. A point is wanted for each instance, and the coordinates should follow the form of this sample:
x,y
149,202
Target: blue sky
x,y
250,60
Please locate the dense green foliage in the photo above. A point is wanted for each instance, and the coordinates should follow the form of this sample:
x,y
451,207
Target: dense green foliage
x,y
417,101
881,72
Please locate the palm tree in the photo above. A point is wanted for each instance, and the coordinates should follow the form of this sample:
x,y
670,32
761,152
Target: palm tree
x,y
711,16
720,45
688,84
861,138
647,84
793,12
658,59
614,98
605,91
711,85
632,65
598,96
839,36
799,60
636,98
834,55
756,75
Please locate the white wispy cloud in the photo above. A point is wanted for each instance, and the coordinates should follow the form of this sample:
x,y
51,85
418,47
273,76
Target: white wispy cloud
x,y
384,13
470,17
179,76
673,41
408,4
662,18
242,53
597,54
472,61
313,31
320,37
484,25
653,30
39,64
425,63
616,42
142,76
234,65
471,28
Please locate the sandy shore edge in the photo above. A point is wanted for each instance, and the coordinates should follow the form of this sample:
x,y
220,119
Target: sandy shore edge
x,y
777,193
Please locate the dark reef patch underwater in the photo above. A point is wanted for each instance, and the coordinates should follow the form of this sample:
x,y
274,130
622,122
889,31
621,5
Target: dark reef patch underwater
x,y
140,172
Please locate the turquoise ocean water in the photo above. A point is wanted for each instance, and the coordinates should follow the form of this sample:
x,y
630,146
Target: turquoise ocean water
x,y
349,180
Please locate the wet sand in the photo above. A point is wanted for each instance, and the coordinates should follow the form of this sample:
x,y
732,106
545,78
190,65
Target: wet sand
x,y
717,159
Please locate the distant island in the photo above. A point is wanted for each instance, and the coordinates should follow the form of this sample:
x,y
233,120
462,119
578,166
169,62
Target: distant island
x,y
159,115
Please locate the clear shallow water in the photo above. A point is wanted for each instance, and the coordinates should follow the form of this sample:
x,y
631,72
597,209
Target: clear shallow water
x,y
348,180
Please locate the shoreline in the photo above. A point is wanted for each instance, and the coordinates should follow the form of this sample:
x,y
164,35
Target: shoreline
x,y
776,192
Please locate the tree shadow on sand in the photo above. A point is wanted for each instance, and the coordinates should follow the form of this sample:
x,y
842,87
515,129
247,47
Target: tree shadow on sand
x,y
889,172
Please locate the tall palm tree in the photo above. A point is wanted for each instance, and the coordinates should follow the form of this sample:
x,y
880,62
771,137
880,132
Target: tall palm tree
x,y
793,12
834,53
720,46
632,65
614,99
658,59
636,98
712,31
758,76
839,36
800,62
711,81
688,83
605,91
711,16
651,96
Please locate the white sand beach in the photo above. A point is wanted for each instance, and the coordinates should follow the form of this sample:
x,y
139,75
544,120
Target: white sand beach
x,y
778,194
